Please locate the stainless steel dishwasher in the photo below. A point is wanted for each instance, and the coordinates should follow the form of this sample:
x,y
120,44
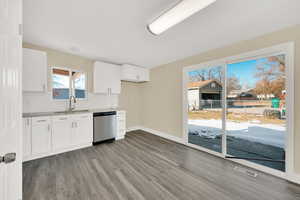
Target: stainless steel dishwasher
x,y
105,127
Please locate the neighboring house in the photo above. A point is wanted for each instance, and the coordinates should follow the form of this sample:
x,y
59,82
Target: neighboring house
x,y
243,94
249,95
204,94
241,98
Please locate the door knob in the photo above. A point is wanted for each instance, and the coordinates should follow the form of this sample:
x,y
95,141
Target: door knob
x,y
8,158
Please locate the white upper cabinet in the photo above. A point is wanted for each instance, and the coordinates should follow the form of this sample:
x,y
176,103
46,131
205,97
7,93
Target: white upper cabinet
x,y
107,78
134,74
34,70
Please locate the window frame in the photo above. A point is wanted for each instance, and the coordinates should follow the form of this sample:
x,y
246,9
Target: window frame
x,y
72,90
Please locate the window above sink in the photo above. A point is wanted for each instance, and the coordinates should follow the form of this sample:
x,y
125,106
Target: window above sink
x,y
68,82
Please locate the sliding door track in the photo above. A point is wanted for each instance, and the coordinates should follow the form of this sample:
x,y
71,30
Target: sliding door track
x,y
259,159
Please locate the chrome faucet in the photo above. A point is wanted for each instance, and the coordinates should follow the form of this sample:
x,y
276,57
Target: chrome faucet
x,y
72,105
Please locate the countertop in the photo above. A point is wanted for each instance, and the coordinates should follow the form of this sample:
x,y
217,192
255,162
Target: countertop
x,y
56,113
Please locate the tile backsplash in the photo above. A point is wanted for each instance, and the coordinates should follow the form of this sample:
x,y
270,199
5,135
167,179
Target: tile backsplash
x,y
43,102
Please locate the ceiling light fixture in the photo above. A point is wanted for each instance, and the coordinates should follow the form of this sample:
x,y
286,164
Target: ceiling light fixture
x,y
177,14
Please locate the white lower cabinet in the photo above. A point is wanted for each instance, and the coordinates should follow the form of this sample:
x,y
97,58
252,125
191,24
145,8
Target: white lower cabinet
x,y
61,132
82,129
40,136
44,136
121,124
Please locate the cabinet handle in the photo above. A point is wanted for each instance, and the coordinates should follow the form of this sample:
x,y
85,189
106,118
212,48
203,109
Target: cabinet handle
x,y
63,118
41,120
27,122
44,87
76,124
49,128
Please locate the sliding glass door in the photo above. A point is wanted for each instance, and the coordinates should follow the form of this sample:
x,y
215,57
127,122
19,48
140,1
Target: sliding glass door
x,y
205,92
255,120
238,110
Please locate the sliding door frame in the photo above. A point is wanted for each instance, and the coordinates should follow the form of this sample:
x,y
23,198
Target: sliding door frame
x,y
288,50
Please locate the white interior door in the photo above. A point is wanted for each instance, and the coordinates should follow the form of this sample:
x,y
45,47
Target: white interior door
x,y
11,100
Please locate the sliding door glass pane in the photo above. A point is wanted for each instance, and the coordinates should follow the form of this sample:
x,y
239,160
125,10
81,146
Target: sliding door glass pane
x,y
256,123
205,108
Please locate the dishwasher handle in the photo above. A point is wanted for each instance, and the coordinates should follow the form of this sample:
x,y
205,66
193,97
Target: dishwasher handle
x,y
104,114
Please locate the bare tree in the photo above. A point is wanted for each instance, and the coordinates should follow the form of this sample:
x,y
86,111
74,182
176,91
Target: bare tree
x,y
207,74
272,76
233,83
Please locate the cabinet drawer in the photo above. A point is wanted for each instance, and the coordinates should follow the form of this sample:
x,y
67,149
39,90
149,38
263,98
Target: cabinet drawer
x,y
40,120
60,118
121,113
121,124
82,116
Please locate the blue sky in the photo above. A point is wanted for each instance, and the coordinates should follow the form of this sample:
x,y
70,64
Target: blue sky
x,y
244,71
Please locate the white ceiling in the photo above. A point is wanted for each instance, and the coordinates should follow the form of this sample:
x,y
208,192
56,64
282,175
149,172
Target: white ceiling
x,y
115,30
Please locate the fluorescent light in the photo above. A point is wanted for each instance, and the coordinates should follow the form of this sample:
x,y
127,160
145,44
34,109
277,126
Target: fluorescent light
x,y
177,14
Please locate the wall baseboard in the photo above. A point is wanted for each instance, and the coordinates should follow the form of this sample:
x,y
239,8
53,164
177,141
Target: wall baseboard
x,y
295,178
157,133
134,128
163,135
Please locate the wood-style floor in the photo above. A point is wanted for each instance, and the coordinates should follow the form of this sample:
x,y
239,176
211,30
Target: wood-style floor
x,y
144,166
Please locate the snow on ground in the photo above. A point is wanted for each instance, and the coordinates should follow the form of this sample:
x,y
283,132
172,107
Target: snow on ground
x,y
270,134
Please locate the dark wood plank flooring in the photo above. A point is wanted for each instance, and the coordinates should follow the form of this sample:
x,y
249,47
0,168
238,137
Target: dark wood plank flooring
x,y
146,167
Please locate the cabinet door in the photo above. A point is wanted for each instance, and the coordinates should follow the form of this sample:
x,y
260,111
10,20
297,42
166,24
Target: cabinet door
x,y
34,70
143,74
61,132
82,132
115,81
121,124
41,135
26,138
107,78
134,73
129,73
